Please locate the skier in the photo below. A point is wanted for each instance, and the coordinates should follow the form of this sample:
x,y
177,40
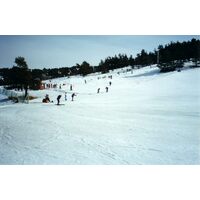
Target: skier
x,y
65,96
110,83
71,87
98,90
73,95
58,99
46,99
106,89
85,81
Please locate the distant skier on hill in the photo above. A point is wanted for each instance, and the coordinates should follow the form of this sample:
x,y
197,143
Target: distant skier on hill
x,y
71,87
106,89
110,83
58,99
73,95
65,96
98,90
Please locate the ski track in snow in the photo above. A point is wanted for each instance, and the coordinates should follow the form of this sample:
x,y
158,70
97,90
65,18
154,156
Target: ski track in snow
x,y
145,118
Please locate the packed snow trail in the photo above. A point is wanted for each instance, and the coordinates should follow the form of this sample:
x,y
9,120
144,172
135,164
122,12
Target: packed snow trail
x,y
145,118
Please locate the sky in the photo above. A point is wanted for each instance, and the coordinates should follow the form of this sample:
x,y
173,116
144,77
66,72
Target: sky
x,y
51,51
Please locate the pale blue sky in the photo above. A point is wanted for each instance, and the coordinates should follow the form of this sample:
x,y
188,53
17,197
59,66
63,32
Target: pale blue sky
x,y
66,51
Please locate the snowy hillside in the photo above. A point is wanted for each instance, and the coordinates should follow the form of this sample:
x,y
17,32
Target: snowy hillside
x,y
145,118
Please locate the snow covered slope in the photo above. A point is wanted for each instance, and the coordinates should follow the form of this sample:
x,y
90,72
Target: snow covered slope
x,y
145,118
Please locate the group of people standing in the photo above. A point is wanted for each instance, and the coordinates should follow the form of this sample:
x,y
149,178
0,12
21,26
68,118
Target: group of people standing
x,y
59,97
47,99
110,83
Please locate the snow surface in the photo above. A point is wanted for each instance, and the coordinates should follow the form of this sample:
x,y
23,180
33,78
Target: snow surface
x,y
145,118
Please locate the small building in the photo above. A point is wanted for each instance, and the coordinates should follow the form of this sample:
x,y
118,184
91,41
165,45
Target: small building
x,y
38,84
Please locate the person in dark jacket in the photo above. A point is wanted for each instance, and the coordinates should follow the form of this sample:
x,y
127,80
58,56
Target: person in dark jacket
x,y
58,99
106,89
73,95
98,90
46,99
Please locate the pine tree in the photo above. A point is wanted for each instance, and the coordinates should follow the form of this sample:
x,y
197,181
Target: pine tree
x,y
23,75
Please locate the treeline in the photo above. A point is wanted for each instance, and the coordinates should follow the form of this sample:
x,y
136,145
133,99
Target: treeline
x,y
122,60
79,69
173,55
20,77
9,76
179,51
168,57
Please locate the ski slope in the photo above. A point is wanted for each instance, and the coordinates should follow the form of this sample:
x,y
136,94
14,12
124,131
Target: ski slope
x,y
145,118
